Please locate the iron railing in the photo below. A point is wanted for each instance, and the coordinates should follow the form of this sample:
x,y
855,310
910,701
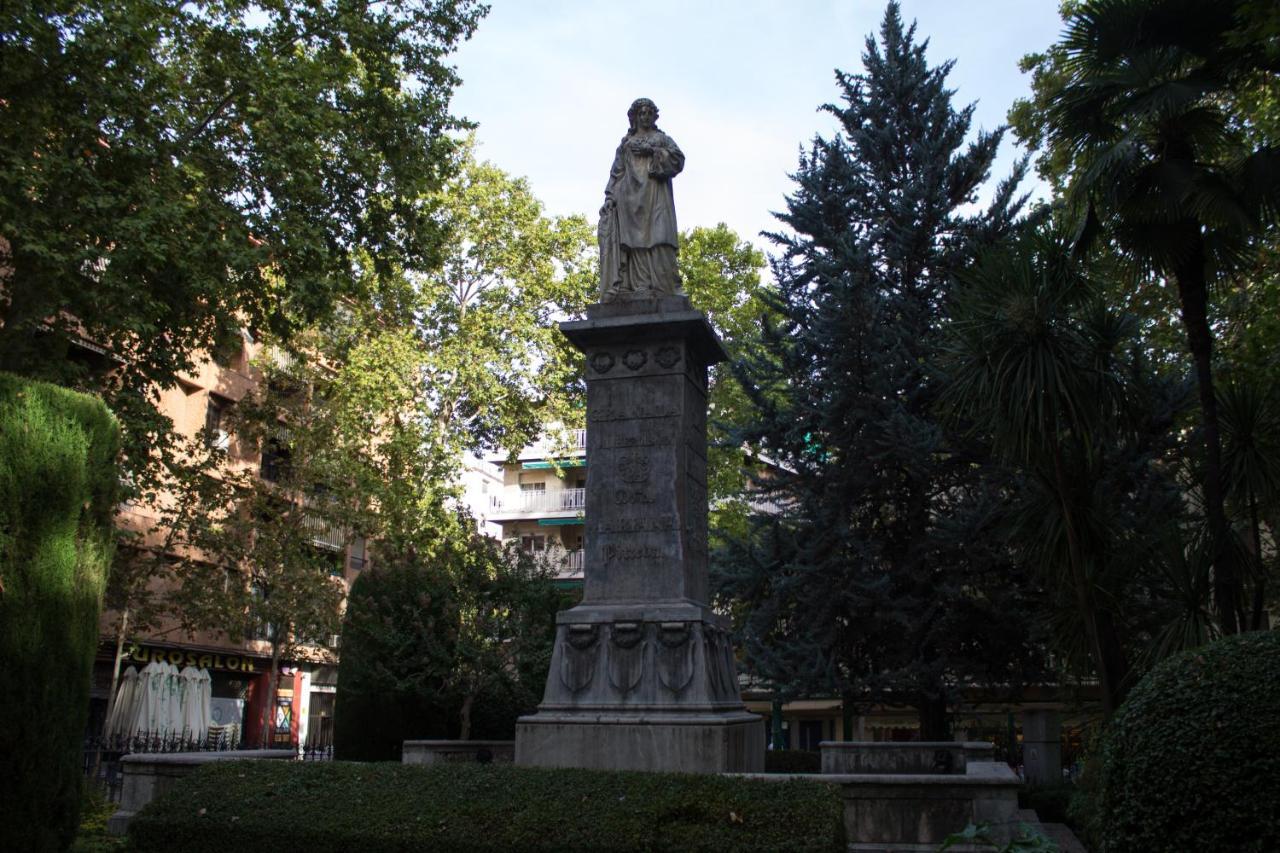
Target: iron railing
x,y
101,755
556,500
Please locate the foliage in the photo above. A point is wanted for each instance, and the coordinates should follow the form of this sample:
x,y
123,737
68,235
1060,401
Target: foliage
x,y
1192,760
365,419
721,275
877,576
1026,841
95,811
172,172
1091,503
58,490
471,807
496,366
1137,108
432,642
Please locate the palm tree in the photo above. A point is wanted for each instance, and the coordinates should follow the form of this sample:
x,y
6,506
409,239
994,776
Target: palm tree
x,y
1251,468
1034,367
1161,168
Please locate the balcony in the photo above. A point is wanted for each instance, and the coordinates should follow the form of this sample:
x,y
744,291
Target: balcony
x,y
531,504
324,536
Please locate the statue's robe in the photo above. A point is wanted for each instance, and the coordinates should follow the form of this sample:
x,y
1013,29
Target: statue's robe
x,y
638,234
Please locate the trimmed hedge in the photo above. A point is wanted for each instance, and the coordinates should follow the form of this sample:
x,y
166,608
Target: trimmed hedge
x,y
1191,761
58,486
335,807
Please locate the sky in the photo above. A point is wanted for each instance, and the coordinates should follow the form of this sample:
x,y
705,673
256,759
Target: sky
x,y
738,84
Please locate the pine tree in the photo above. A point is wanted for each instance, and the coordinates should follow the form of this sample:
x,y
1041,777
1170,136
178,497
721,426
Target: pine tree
x,y
874,579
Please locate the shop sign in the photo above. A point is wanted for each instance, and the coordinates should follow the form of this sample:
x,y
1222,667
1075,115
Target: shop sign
x,y
186,657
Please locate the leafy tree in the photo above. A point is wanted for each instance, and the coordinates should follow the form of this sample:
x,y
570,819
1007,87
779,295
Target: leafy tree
x,y
171,172
59,485
363,422
866,583
721,275
268,564
1136,109
435,644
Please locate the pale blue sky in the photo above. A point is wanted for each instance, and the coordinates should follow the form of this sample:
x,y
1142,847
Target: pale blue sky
x,y
738,85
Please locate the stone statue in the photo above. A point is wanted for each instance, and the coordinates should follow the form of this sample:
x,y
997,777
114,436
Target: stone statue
x,y
638,239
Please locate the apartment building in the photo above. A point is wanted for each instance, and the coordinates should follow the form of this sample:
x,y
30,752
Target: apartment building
x,y
540,500
202,403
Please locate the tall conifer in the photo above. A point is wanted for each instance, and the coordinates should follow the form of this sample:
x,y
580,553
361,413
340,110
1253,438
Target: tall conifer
x,y
871,580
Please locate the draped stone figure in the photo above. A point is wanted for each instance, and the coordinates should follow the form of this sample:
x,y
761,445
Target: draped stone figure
x,y
638,237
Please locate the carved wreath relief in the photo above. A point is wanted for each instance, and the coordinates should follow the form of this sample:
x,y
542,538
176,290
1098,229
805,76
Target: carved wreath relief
x,y
666,357
675,655
626,655
578,656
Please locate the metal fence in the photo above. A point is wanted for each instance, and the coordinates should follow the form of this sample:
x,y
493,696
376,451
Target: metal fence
x,y
101,756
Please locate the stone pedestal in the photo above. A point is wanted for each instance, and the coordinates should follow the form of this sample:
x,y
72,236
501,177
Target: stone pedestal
x,y
642,676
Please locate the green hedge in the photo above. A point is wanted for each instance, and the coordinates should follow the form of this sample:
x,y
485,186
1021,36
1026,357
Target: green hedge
x,y
1191,761
340,806
58,486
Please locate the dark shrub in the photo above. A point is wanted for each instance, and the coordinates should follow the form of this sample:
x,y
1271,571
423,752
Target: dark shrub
x,y
1191,761
792,761
470,808
1050,802
58,486
397,640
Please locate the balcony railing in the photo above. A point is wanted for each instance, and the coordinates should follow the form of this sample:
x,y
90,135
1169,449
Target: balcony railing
x,y
323,535
573,562
558,500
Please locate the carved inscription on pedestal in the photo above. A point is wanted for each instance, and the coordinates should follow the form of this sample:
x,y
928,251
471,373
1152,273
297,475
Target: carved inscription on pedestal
x,y
642,397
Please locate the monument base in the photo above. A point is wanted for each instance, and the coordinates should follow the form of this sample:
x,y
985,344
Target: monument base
x,y
731,742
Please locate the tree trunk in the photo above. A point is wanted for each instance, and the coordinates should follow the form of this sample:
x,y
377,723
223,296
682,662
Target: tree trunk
x,y
464,717
268,708
1108,657
122,628
1193,296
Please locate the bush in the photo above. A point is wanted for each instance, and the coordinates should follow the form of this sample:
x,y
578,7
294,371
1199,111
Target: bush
x,y
792,761
1191,761
58,484
415,653
472,808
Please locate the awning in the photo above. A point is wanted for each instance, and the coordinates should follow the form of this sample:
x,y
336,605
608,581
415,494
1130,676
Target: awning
x,y
559,522
576,462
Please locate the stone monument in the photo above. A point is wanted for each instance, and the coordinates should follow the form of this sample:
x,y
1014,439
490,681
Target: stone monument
x,y
643,674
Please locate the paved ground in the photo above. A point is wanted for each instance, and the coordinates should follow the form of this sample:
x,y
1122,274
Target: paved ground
x,y
1060,834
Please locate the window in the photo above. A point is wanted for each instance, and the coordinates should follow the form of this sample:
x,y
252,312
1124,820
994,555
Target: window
x,y
528,483
357,552
275,460
215,421
533,543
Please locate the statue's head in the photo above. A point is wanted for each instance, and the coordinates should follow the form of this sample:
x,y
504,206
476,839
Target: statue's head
x,y
634,111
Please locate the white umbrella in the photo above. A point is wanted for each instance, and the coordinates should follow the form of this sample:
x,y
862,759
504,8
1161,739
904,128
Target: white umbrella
x,y
206,704
149,700
123,707
173,701
193,723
